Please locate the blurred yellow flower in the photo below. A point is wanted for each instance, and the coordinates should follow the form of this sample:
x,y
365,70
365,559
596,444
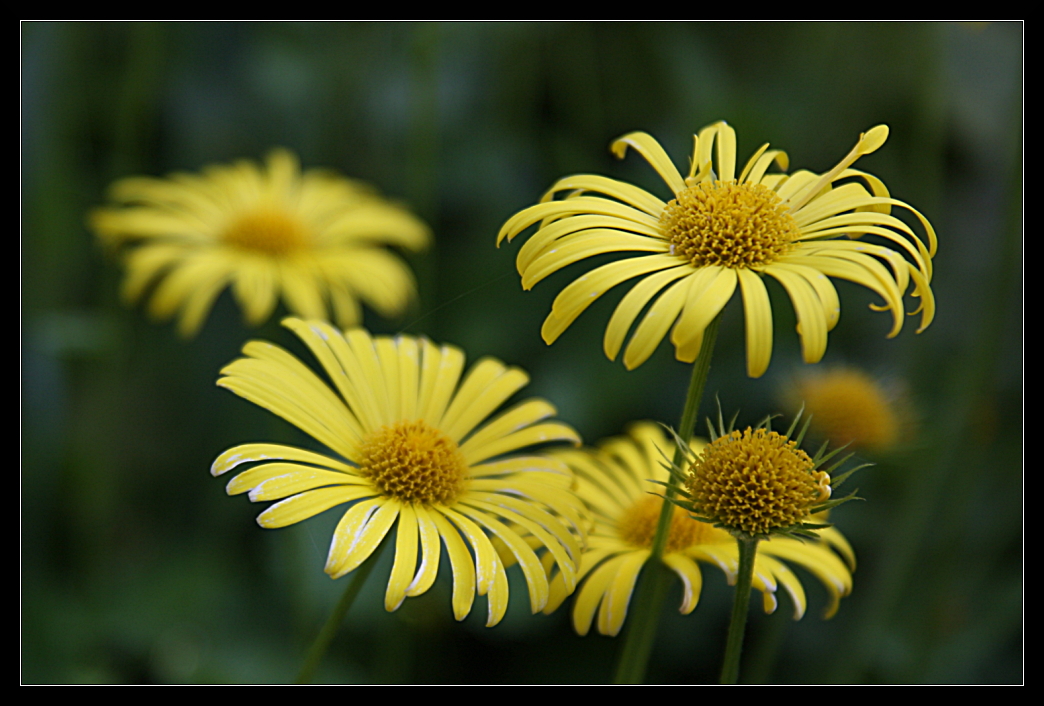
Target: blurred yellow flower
x,y
315,238
414,448
848,406
720,232
616,481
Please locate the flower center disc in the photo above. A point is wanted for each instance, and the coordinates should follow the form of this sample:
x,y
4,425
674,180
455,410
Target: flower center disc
x,y
756,482
414,462
268,231
729,224
638,526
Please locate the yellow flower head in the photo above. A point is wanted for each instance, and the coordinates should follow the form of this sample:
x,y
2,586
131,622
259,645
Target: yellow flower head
x,y
314,238
617,481
756,482
848,406
412,446
719,232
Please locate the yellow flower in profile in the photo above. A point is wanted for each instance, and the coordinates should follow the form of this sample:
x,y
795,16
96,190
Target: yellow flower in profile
x,y
314,238
411,447
719,232
848,406
618,482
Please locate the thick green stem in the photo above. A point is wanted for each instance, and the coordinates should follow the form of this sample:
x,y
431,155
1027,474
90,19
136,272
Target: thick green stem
x,y
748,548
652,586
333,623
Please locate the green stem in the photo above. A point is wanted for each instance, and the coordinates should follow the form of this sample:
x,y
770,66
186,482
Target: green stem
x,y
333,623
652,587
738,623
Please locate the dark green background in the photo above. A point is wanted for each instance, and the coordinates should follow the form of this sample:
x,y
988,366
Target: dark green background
x,y
136,567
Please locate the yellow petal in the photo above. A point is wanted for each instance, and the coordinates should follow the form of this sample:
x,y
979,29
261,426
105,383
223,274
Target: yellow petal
x,y
365,539
430,551
812,319
650,149
308,504
757,314
462,564
655,323
628,193
632,304
405,564
247,453
691,578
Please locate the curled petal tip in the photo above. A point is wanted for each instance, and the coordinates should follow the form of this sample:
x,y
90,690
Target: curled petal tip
x,y
871,140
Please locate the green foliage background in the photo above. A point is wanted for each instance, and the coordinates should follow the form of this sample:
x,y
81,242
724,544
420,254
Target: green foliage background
x,y
135,566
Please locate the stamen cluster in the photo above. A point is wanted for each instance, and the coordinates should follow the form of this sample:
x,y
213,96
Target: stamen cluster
x,y
729,224
638,527
755,482
414,462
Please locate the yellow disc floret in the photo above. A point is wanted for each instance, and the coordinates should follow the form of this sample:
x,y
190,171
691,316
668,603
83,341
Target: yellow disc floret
x,y
269,231
755,482
729,224
414,462
638,526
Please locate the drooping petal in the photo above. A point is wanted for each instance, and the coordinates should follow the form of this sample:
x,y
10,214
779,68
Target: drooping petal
x,y
405,564
368,537
536,579
823,288
655,323
789,581
430,551
632,304
812,319
757,315
691,578
551,533
485,555
583,291
650,149
701,308
463,566
613,610
592,592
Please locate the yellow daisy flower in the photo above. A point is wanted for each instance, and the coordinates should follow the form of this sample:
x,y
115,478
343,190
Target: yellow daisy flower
x,y
720,232
411,447
848,406
617,481
315,238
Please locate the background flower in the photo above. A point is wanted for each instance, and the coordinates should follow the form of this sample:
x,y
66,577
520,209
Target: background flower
x,y
614,481
313,238
849,406
135,568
